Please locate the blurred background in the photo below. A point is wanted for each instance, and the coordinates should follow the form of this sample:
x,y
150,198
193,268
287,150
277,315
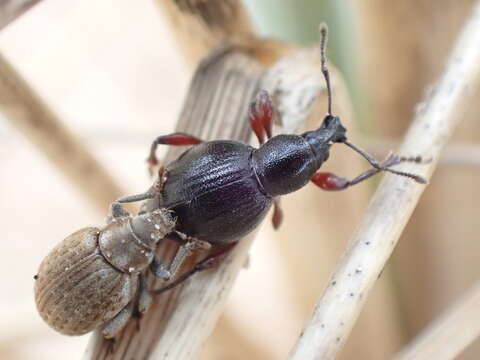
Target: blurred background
x,y
113,73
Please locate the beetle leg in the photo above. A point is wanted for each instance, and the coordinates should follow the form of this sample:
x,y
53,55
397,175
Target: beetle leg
x,y
277,216
183,252
149,194
192,242
144,297
260,115
113,326
174,139
117,209
329,181
209,262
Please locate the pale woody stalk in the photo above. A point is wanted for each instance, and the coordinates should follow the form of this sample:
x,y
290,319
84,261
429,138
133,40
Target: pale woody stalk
x,y
389,211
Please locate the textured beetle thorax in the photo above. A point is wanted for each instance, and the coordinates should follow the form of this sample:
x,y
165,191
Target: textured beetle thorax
x,y
284,164
152,226
129,243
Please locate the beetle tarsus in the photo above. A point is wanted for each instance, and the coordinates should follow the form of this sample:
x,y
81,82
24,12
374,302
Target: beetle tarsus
x,y
117,210
159,269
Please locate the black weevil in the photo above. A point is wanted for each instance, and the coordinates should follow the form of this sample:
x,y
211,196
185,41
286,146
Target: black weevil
x,y
215,193
221,190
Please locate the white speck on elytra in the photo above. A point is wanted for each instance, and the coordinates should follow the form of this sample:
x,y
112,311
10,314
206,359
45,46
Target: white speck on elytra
x,y
149,219
157,226
131,269
66,269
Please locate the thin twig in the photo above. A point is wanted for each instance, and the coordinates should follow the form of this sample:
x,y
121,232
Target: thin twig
x,y
448,335
11,9
27,112
393,203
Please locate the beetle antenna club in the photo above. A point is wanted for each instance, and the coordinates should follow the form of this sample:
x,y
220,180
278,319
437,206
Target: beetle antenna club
x,y
323,46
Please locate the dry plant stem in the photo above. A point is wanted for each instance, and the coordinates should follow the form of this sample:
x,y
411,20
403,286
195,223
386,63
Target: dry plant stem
x,y
33,118
199,25
384,220
457,154
229,338
216,106
448,335
11,9
204,298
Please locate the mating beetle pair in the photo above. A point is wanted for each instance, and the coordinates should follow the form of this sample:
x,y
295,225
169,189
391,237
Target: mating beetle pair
x,y
215,193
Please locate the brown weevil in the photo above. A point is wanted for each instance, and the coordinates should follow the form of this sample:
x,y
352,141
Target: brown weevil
x,y
221,190
95,277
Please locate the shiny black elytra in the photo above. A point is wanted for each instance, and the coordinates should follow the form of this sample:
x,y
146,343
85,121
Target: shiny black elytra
x,y
221,190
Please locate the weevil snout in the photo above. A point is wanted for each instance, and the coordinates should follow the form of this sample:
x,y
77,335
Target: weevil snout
x,y
333,129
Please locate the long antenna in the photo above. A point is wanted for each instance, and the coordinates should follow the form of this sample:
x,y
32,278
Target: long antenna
x,y
378,166
323,45
323,28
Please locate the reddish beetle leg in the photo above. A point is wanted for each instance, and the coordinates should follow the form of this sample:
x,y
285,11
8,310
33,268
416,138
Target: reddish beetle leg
x,y
260,115
175,139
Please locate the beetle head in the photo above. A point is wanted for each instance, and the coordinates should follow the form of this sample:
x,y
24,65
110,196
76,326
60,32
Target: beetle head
x,y
332,130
